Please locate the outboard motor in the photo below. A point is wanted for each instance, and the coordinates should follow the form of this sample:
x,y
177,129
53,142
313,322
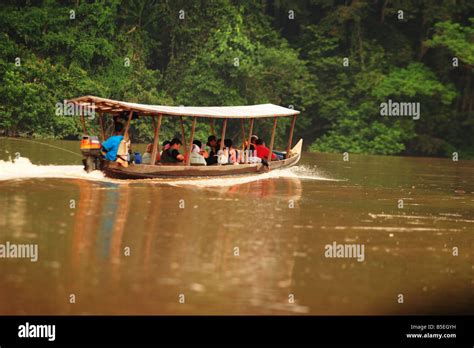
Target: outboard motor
x,y
90,148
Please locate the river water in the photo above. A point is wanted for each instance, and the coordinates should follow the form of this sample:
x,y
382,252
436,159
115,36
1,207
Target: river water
x,y
237,246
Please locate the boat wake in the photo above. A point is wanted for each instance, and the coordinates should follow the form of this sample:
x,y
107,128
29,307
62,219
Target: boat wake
x,y
296,172
22,168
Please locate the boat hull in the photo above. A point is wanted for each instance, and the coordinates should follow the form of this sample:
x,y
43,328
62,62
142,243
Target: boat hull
x,y
148,171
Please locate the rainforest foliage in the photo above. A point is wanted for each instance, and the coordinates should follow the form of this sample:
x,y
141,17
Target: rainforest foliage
x,y
335,61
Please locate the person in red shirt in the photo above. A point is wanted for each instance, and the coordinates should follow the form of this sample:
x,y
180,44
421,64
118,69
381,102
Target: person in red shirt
x,y
263,151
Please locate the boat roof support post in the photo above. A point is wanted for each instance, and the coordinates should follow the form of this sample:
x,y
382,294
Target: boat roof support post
x,y
224,126
290,138
242,125
272,141
250,136
127,127
156,137
183,136
191,139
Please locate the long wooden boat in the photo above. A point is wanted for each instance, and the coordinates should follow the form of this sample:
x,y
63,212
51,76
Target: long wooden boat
x,y
116,108
147,171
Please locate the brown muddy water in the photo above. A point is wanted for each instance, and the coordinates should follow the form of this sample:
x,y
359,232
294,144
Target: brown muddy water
x,y
237,246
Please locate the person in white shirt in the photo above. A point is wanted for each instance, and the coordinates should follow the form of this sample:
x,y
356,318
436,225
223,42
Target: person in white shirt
x,y
198,156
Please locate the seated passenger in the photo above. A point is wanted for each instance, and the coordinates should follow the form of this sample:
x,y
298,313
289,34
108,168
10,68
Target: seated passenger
x,y
131,155
253,141
111,145
263,151
213,150
280,155
171,154
166,145
201,151
146,157
198,157
232,153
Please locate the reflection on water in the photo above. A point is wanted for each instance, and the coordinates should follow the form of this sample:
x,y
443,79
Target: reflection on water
x,y
247,248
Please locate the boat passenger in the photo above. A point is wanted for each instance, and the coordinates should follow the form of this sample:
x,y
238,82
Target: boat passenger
x,y
165,145
198,156
201,151
111,145
249,151
146,157
213,150
253,142
131,155
172,155
263,151
280,155
222,155
253,139
232,153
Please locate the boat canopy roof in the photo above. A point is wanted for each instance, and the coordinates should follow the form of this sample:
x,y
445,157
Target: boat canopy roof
x,y
103,105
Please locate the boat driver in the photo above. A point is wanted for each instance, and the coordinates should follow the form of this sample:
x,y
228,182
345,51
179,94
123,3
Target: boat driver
x,y
111,145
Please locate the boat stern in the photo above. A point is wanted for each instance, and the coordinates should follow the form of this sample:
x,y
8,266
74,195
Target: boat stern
x,y
90,149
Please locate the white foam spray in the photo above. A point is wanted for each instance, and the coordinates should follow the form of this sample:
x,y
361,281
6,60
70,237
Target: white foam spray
x,y
22,168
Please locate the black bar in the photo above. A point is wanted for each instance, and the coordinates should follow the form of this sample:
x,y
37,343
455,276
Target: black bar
x,y
290,330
